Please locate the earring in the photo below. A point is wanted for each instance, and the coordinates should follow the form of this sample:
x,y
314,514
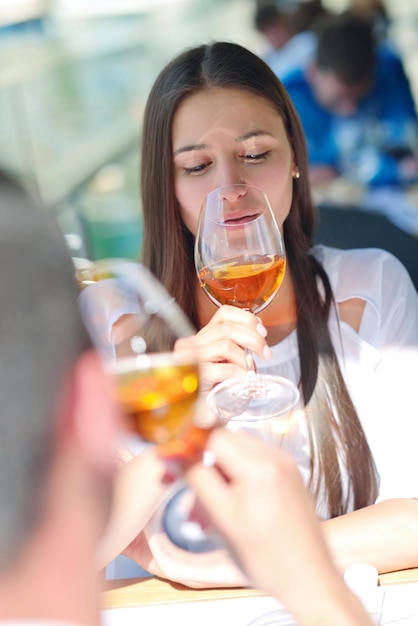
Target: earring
x,y
296,173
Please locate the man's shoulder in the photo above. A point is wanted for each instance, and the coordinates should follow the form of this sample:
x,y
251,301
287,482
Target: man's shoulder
x,y
296,80
389,61
301,94
299,89
387,51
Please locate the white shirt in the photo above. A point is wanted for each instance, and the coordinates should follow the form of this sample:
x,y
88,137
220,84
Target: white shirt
x,y
380,367
379,363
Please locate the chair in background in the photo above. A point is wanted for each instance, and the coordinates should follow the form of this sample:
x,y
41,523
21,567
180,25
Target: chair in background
x,y
352,227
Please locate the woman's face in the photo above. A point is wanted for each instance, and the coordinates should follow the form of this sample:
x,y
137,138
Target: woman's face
x,y
226,135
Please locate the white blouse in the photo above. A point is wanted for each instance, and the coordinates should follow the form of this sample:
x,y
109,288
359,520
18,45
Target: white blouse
x,y
380,367
379,363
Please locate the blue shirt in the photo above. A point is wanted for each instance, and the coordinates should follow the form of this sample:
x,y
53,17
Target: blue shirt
x,y
364,144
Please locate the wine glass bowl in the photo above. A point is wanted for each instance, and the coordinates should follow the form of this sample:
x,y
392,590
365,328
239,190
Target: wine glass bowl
x,y
240,260
134,324
157,393
239,255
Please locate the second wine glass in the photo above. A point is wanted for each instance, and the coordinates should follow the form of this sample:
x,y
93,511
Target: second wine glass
x,y
134,323
241,261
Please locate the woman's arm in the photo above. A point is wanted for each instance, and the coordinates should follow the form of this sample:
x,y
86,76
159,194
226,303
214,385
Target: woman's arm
x,y
384,535
139,487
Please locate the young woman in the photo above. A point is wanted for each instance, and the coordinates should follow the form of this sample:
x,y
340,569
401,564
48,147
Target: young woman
x,y
343,326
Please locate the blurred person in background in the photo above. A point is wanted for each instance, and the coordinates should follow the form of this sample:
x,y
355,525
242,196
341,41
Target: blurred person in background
x,y
356,107
375,11
289,33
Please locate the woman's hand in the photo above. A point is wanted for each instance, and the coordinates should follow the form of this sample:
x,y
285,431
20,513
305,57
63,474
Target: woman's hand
x,y
257,500
220,345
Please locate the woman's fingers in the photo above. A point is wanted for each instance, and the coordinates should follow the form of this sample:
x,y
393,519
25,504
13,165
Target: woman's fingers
x,y
213,373
229,317
225,338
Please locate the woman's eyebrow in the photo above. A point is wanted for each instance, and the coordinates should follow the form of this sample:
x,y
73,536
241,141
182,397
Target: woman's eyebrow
x,y
254,133
205,146
191,147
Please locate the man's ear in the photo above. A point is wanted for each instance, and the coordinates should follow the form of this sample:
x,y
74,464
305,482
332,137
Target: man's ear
x,y
95,415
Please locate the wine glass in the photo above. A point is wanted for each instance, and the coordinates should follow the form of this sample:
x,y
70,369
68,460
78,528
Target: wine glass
x,y
240,260
134,323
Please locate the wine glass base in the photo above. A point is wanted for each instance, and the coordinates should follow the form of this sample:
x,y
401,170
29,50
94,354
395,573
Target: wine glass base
x,y
187,525
258,396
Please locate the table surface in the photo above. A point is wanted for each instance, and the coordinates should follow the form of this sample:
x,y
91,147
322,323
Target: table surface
x,y
150,591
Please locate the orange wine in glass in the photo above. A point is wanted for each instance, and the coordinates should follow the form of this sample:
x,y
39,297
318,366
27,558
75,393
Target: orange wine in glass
x,y
240,260
134,324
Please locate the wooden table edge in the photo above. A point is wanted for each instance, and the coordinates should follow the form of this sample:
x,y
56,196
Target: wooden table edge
x,y
399,577
134,592
152,590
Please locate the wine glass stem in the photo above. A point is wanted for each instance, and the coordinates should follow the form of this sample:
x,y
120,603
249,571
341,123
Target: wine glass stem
x,y
249,360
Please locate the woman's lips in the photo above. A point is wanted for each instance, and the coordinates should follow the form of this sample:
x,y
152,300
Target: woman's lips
x,y
241,219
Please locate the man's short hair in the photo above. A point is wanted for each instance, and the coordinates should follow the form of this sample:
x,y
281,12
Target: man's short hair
x,y
270,15
346,46
41,338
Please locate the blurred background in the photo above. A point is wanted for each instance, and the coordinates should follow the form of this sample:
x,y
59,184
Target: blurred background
x,y
74,77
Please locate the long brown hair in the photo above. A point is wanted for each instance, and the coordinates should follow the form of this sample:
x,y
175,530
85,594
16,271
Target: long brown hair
x,y
336,435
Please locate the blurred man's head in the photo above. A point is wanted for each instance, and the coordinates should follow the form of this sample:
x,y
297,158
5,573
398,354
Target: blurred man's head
x,y
57,421
276,25
342,73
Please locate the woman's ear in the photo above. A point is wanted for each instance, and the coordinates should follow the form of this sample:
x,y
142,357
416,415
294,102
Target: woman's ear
x,y
95,414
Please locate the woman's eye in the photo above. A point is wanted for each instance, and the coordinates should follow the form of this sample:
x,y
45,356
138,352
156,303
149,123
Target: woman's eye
x,y
196,169
256,157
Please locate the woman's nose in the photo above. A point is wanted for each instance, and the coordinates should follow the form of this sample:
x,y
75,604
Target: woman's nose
x,y
232,193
